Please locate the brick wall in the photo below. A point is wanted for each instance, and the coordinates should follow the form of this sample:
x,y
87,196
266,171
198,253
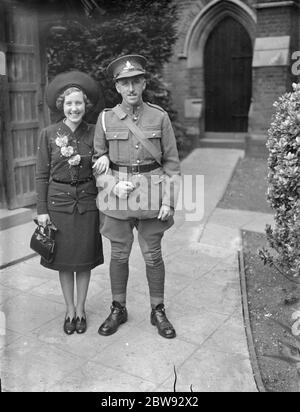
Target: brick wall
x,y
275,21
272,81
268,84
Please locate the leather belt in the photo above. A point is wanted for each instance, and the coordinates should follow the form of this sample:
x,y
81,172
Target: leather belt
x,y
73,182
135,169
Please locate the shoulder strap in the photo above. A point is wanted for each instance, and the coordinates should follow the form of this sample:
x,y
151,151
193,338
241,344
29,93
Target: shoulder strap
x,y
138,133
155,106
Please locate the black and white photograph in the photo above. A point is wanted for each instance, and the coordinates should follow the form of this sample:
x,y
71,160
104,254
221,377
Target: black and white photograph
x,y
149,198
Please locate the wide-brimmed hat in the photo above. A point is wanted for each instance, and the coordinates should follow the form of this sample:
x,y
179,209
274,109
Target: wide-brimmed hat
x,y
71,79
127,66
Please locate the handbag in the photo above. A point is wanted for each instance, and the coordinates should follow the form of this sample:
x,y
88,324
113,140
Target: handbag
x,y
43,241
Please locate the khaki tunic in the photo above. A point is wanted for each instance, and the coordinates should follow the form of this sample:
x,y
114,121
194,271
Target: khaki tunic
x,y
152,189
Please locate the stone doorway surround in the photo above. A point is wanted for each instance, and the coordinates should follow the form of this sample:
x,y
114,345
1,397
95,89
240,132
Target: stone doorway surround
x,y
189,62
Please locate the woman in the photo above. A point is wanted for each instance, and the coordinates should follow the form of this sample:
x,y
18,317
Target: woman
x,y
66,191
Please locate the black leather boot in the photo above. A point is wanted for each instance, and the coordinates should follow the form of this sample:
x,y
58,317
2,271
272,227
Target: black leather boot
x,y
117,316
160,320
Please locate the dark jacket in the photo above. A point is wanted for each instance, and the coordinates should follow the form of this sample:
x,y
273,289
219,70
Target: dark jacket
x,y
53,167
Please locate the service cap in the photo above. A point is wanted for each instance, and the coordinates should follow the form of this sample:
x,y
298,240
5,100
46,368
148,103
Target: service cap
x,y
127,66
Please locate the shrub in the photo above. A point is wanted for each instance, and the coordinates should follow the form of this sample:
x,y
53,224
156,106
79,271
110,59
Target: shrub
x,y
284,185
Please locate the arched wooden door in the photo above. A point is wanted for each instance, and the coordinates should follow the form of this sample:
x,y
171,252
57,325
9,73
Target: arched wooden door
x,y
228,77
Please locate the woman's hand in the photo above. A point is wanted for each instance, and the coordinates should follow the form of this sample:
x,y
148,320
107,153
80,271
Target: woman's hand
x,y
43,219
101,165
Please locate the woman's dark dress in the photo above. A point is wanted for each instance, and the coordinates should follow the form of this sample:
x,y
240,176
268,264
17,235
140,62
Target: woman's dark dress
x,y
68,194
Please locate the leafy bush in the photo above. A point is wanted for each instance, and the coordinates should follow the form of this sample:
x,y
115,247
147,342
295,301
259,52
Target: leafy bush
x,y
117,28
284,185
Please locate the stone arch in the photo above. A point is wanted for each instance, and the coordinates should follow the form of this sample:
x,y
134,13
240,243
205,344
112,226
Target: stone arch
x,y
205,22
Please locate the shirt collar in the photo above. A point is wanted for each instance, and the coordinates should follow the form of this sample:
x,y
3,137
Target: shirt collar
x,y
132,110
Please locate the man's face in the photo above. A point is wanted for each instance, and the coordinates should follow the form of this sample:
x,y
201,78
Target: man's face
x,y
131,89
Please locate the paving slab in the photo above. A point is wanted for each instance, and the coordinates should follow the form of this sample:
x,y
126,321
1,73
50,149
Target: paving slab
x,y
217,167
242,219
14,244
95,377
135,354
25,312
209,370
29,366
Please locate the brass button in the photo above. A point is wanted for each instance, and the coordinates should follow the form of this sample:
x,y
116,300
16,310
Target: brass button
x,y
153,134
136,146
138,161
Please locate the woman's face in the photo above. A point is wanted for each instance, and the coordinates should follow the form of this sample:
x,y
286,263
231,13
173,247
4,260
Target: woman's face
x,y
74,107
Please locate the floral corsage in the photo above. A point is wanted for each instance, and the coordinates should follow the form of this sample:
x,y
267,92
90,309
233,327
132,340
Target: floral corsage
x,y
62,141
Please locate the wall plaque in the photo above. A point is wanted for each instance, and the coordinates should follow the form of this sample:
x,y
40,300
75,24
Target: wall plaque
x,y
271,51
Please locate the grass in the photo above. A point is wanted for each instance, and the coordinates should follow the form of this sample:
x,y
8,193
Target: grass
x,y
248,186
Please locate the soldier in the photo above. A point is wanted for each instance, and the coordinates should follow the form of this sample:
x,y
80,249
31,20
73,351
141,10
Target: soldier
x,y
136,148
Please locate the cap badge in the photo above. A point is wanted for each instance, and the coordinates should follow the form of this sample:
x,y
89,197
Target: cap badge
x,y
128,66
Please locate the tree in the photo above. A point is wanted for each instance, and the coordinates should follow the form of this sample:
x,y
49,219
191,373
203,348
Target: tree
x,y
116,28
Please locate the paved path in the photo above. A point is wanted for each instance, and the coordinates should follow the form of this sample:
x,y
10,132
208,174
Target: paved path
x,y
203,300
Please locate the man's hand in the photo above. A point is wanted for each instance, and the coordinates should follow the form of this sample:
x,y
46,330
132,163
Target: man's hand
x,y
123,189
165,212
43,219
101,165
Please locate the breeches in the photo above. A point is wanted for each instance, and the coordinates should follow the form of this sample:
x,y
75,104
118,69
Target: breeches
x,y
120,234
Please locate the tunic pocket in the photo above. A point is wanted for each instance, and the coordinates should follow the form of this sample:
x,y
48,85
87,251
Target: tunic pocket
x,y
118,145
154,136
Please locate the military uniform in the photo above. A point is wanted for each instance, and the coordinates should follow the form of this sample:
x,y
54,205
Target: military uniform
x,y
155,181
123,148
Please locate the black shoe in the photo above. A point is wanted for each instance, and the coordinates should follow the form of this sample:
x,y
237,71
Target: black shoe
x,y
81,325
160,320
117,316
69,326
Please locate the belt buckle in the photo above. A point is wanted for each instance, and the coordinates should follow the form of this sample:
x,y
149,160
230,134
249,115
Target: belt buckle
x,y
135,169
